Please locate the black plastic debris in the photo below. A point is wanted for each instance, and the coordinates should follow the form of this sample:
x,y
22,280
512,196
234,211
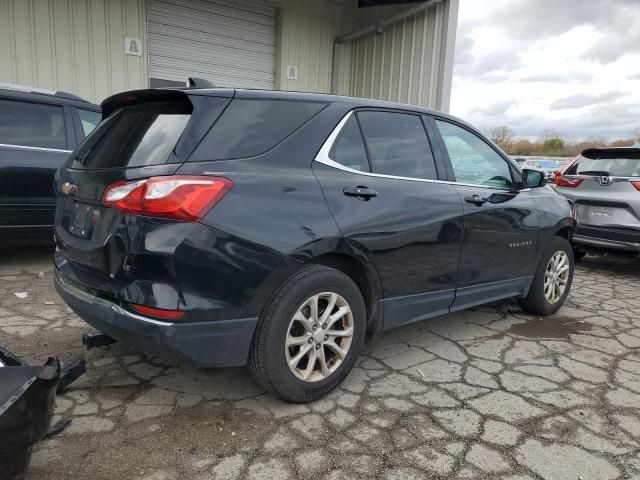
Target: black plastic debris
x,y
27,402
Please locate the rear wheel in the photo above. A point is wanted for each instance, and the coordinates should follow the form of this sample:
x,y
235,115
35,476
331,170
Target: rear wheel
x,y
309,336
552,281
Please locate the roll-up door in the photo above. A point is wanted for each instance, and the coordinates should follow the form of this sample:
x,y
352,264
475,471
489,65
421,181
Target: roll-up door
x,y
228,42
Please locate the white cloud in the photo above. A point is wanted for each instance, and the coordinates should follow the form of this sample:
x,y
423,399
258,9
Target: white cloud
x,y
572,65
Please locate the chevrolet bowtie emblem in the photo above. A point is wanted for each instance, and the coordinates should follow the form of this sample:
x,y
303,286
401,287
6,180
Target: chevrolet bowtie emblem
x,y
68,188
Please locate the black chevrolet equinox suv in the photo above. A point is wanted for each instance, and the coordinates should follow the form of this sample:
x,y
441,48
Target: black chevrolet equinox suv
x,y
230,227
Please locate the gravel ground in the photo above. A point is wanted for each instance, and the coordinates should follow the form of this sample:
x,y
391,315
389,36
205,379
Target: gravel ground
x,y
488,393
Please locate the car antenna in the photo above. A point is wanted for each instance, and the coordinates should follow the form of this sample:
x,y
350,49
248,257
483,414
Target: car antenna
x,y
194,82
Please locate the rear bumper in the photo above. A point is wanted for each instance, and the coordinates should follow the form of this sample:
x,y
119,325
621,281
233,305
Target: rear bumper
x,y
221,343
607,238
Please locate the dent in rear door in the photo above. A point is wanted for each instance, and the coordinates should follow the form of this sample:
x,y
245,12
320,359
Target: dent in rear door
x,y
410,230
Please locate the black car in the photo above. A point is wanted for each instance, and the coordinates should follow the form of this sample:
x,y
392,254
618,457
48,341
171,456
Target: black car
x,y
226,227
38,130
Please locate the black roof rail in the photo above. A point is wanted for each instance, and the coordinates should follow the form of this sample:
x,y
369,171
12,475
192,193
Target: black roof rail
x,y
70,96
41,91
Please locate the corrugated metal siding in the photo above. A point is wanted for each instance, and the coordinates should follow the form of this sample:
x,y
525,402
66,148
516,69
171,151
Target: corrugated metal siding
x,y
229,42
72,45
306,30
408,62
78,46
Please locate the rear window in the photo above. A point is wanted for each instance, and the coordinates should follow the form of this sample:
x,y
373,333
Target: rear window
x,y
32,125
615,167
249,127
135,136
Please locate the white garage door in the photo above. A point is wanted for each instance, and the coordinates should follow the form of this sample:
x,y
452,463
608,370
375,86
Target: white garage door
x,y
229,42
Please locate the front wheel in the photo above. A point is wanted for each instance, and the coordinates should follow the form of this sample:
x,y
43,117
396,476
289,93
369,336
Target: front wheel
x,y
552,280
309,336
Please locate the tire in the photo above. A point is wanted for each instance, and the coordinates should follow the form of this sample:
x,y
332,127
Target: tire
x,y
536,301
270,357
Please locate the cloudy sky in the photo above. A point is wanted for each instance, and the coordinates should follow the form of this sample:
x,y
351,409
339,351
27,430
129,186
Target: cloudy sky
x,y
568,65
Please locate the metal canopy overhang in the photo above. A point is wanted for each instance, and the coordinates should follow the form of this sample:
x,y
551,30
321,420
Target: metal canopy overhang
x,y
375,28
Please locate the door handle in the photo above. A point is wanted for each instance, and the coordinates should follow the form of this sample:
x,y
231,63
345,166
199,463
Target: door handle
x,y
477,200
363,193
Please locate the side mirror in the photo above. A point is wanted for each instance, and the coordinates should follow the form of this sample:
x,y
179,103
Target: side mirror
x,y
533,178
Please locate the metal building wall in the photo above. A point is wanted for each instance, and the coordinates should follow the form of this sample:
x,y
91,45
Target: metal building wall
x,y
412,61
78,46
73,45
305,34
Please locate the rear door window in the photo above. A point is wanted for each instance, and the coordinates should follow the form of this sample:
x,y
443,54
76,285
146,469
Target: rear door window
x,y
135,136
32,125
250,127
397,144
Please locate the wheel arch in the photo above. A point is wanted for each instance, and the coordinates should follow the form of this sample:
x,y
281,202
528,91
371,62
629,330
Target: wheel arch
x,y
565,229
363,275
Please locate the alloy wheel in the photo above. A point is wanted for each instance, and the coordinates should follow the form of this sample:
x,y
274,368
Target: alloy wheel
x,y
319,336
556,276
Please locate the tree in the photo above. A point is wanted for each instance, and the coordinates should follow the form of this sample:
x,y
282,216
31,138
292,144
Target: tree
x,y
502,136
523,147
548,133
553,147
635,135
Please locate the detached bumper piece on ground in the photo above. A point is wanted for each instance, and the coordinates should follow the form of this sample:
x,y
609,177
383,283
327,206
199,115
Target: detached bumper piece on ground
x,y
27,402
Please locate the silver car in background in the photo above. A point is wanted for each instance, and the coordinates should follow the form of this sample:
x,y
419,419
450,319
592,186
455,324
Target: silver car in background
x,y
604,184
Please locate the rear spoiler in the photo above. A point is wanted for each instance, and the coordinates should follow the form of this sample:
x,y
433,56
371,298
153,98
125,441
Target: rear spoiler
x,y
617,152
119,100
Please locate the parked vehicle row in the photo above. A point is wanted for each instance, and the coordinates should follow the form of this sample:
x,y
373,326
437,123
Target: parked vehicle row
x,y
548,166
38,130
225,227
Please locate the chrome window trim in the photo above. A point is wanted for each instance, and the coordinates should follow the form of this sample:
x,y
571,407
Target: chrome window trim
x,y
596,178
39,149
323,157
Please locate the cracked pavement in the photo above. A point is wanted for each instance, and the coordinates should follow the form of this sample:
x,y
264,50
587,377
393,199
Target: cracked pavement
x,y
488,393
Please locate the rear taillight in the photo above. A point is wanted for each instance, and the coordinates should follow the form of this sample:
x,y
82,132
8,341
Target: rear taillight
x,y
636,184
158,312
181,197
560,181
